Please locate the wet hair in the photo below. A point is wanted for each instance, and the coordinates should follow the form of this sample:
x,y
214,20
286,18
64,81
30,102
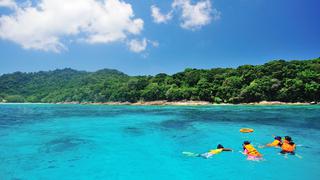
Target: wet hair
x,y
291,143
219,146
246,142
288,138
278,138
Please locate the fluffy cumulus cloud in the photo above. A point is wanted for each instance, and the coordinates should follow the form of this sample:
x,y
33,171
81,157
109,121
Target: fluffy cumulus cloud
x,y
193,15
158,17
8,3
47,24
196,15
138,46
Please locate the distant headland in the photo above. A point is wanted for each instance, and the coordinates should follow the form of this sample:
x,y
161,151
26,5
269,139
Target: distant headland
x,y
275,82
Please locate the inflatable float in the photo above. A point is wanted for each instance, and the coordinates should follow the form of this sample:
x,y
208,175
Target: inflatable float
x,y
246,130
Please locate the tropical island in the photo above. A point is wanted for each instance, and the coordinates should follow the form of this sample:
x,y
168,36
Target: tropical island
x,y
275,81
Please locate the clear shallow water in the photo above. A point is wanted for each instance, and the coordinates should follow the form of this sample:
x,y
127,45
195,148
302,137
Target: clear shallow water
x,y
127,142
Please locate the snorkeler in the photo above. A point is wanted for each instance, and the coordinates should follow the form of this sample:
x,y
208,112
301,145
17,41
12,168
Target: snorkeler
x,y
212,152
288,146
276,143
250,151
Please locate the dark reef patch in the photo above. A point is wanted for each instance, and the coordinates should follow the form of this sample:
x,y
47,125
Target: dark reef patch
x,y
63,144
133,131
175,124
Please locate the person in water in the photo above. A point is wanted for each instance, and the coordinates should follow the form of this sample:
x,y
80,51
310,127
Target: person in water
x,y
250,151
288,146
277,142
212,152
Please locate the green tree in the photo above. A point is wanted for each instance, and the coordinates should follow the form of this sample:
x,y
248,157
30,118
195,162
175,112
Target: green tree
x,y
292,91
15,98
312,90
230,88
191,77
205,90
174,94
154,92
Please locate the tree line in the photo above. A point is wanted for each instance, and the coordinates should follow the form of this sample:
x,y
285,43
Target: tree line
x,y
279,80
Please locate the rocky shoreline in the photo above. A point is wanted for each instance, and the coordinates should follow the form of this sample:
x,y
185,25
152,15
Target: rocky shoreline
x,y
181,103
175,103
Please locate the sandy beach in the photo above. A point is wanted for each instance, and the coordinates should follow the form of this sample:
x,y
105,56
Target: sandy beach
x,y
176,103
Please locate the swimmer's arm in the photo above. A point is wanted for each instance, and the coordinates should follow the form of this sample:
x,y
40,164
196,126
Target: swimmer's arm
x,y
297,155
273,144
227,149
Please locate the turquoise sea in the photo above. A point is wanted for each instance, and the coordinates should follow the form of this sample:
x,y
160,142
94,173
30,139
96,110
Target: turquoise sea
x,y
145,142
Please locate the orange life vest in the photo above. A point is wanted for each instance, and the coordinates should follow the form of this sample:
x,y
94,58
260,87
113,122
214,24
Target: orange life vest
x,y
288,147
285,141
252,151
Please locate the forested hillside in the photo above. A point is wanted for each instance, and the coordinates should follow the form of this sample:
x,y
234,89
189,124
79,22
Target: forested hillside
x,y
287,81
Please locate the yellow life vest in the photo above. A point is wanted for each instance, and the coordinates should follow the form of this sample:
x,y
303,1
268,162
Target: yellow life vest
x,y
275,143
215,151
252,151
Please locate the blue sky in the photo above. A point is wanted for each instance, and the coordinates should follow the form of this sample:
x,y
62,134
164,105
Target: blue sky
x,y
236,32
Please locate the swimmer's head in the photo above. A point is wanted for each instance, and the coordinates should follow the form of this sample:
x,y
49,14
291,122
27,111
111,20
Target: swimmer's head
x,y
291,143
219,146
288,138
246,142
277,138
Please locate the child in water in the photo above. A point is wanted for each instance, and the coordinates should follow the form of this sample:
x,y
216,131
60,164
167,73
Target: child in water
x,y
288,146
276,143
212,152
250,151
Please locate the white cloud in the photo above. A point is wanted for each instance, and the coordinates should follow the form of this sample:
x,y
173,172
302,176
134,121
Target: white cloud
x,y
158,17
138,45
154,43
49,23
193,15
8,3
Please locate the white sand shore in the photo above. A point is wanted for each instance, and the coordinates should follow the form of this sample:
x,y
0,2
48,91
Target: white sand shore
x,y
175,103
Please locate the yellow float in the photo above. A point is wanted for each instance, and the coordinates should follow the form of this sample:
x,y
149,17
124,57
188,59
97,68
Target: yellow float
x,y
246,130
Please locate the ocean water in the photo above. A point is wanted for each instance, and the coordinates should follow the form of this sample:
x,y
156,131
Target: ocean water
x,y
146,142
